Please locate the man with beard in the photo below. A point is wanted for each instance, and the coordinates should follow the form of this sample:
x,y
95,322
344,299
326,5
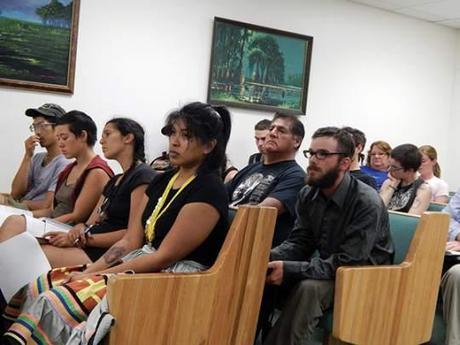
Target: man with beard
x,y
34,183
340,218
277,180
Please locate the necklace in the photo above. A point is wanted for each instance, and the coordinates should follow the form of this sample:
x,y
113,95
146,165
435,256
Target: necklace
x,y
158,211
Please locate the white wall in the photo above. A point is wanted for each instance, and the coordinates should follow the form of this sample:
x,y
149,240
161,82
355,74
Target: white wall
x,y
389,75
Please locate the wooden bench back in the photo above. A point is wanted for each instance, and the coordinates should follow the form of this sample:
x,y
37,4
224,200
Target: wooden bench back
x,y
215,307
393,304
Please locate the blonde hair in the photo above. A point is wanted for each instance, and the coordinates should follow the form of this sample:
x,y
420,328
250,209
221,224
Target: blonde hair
x,y
430,151
382,145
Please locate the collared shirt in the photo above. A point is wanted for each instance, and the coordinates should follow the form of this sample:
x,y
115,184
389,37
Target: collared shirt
x,y
349,228
453,208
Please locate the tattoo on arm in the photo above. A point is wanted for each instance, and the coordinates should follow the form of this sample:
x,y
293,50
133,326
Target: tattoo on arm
x,y
114,255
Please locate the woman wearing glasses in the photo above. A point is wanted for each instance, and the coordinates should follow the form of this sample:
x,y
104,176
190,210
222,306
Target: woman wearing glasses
x,y
378,161
165,233
79,185
404,191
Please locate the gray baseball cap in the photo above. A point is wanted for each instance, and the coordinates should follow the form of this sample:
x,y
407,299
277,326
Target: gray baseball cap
x,y
47,109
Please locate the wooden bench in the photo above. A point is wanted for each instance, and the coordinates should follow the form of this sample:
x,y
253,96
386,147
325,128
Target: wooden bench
x,y
216,307
392,304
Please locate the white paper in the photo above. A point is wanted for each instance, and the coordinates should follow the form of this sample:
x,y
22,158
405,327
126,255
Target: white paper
x,y
39,226
21,261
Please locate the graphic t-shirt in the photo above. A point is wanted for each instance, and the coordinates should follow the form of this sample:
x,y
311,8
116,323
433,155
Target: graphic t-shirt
x,y
281,181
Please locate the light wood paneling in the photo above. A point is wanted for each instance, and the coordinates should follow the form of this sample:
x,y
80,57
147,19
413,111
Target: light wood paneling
x,y
215,307
393,305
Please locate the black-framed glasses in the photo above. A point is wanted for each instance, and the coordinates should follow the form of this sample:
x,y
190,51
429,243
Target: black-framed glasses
x,y
320,154
35,127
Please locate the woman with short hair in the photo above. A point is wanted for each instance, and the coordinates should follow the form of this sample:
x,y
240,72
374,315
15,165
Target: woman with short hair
x,y
165,234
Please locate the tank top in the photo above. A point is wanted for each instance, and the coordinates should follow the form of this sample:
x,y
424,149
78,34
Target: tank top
x,y
404,197
63,200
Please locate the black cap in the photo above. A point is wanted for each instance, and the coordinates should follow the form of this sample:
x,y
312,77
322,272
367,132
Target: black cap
x,y
47,109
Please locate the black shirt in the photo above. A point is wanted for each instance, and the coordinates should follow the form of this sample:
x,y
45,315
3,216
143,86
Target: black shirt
x,y
117,203
205,188
366,178
349,228
281,181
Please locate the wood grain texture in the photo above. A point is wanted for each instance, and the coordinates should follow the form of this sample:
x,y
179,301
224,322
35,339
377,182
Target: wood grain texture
x,y
216,307
394,304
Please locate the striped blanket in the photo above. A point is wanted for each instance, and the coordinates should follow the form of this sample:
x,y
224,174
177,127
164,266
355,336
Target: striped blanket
x,y
46,310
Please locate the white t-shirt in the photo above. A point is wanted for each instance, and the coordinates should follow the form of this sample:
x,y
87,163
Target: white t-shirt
x,y
438,187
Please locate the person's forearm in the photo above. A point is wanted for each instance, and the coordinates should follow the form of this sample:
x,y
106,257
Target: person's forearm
x,y
112,257
46,212
36,204
20,182
386,193
105,240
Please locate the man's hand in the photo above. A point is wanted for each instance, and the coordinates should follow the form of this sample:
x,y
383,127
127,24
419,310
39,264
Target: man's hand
x,y
453,245
394,182
30,143
275,275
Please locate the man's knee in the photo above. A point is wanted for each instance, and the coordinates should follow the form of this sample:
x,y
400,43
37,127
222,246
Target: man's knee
x,y
452,276
12,226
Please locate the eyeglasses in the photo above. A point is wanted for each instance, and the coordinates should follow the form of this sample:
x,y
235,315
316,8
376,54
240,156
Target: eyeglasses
x,y
39,126
378,154
393,168
320,154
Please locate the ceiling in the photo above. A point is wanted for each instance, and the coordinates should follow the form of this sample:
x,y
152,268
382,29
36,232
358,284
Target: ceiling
x,y
444,12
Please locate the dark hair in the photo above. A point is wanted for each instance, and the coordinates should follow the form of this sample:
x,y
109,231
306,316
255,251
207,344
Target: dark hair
x,y
297,128
206,123
408,156
78,122
128,126
262,125
359,138
345,142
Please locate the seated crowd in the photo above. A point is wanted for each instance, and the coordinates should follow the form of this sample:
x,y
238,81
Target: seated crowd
x,y
143,220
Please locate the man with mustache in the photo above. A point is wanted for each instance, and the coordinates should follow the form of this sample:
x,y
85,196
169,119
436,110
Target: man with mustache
x,y
338,216
277,180
34,183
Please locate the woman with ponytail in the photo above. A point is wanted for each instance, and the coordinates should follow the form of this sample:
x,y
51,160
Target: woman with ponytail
x,y
180,226
430,172
123,141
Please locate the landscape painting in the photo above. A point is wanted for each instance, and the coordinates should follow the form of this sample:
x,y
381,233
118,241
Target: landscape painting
x,y
258,67
38,43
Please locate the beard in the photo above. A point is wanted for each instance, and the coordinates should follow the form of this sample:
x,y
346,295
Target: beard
x,y
325,181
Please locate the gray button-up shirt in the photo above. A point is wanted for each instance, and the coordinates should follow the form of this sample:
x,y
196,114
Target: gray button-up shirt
x,y
349,228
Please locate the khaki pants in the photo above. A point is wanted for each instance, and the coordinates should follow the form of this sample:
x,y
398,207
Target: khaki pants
x,y
450,286
7,200
301,313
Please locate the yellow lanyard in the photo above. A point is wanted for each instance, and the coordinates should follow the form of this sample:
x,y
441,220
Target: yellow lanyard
x,y
158,211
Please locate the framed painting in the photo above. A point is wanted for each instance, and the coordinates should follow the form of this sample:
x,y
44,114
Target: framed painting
x,y
258,67
38,44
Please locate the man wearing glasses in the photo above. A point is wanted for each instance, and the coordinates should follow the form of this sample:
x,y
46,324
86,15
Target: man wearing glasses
x,y
277,180
340,218
403,191
34,183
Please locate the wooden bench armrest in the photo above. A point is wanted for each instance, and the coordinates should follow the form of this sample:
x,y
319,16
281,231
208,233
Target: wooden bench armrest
x,y
365,299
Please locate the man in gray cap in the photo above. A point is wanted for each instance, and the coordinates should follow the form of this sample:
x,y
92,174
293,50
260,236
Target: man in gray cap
x,y
34,183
